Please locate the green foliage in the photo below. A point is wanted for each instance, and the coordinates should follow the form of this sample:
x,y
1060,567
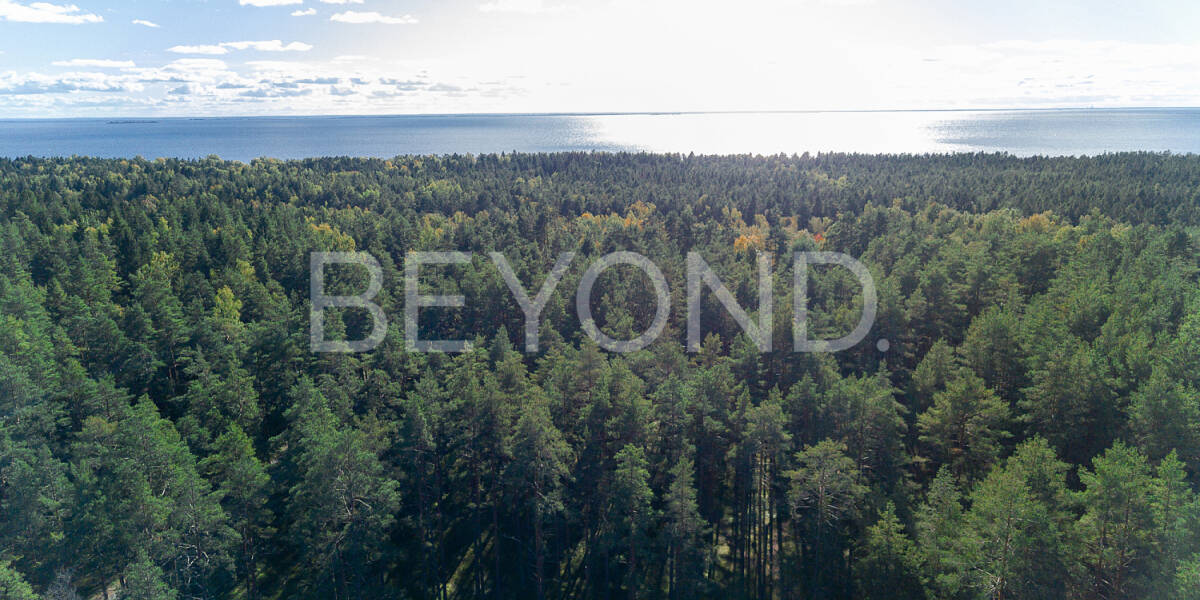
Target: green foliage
x,y
1117,528
825,483
630,511
1187,580
1030,432
684,531
13,586
341,504
144,581
824,494
964,426
940,534
537,475
1012,546
890,565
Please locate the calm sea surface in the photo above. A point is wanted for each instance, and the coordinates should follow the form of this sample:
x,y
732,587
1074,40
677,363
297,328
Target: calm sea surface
x,y
1040,132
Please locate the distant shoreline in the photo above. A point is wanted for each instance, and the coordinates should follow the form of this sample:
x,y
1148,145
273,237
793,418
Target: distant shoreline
x,y
144,119
1045,132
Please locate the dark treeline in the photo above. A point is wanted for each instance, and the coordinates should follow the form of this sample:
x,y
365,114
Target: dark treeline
x,y
1031,428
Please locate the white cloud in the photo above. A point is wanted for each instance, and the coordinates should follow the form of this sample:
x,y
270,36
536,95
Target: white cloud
x,y
269,2
98,63
197,65
32,84
225,47
304,13
352,16
269,46
207,49
342,1
146,23
44,12
209,86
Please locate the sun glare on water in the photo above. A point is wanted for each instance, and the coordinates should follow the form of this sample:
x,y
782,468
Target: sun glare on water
x,y
771,133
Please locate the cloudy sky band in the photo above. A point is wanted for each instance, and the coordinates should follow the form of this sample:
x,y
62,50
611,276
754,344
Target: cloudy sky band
x,y
410,56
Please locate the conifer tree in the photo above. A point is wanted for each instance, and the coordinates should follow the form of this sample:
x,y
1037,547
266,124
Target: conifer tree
x,y
684,531
630,513
13,585
1117,528
243,482
342,504
537,475
890,565
965,426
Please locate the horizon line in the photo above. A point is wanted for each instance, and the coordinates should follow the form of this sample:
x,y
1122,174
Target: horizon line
x,y
600,113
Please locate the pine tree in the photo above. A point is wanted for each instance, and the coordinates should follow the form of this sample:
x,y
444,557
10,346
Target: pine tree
x,y
144,581
630,512
422,459
761,485
481,419
218,395
964,426
1011,546
862,412
242,481
1117,527
342,504
890,565
35,500
684,531
537,475
824,492
936,369
714,390
1187,580
13,585
993,350
1071,401
939,529
1164,415
168,330
139,492
1177,524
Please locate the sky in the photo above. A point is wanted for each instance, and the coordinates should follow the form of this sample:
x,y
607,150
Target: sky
x,y
134,58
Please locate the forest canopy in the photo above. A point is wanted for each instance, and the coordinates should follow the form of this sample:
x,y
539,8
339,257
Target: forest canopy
x,y
1022,420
